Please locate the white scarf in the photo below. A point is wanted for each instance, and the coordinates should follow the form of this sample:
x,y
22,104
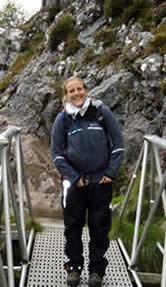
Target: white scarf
x,y
74,111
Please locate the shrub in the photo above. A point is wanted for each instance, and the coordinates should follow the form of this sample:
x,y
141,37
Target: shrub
x,y
71,46
158,43
89,55
138,9
107,9
61,31
163,87
27,44
116,7
107,36
109,56
59,90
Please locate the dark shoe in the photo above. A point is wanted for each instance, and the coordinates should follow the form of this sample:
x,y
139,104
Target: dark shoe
x,y
95,280
73,278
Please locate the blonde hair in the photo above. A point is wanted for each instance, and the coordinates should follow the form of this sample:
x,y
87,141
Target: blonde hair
x,y
65,84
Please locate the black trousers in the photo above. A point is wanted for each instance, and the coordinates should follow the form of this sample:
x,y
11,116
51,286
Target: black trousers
x,y
94,199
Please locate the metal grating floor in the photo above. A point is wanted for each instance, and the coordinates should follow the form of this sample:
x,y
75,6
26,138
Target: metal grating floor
x,y
46,269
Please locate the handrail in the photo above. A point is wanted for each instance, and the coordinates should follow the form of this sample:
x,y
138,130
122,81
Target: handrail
x,y
6,139
151,143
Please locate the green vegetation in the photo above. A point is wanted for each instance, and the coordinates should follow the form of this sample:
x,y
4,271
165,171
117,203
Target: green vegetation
x,y
30,50
15,69
163,86
30,224
122,11
71,46
28,44
63,30
74,66
158,43
117,7
89,55
118,199
108,57
137,10
149,260
106,35
107,9
59,89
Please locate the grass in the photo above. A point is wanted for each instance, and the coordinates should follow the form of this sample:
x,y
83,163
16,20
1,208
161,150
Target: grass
x,y
149,260
22,60
109,55
106,35
158,43
32,224
163,86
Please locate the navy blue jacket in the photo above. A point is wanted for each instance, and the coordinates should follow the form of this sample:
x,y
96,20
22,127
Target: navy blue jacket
x,y
84,149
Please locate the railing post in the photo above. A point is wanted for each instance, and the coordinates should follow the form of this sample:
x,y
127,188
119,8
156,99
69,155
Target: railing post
x,y
17,217
11,282
3,281
20,187
157,159
139,205
7,185
134,176
150,217
152,178
163,279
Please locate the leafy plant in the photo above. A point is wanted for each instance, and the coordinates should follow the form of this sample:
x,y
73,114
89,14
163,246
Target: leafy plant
x,y
163,86
61,31
89,55
158,43
117,7
71,46
137,10
106,35
107,57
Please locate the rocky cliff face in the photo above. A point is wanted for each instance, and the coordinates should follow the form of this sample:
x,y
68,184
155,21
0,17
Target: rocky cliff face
x,y
122,64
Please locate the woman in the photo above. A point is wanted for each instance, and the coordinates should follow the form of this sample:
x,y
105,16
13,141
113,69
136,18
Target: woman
x,y
87,148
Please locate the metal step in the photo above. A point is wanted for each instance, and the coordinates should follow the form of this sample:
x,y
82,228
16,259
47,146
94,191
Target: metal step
x,y
47,262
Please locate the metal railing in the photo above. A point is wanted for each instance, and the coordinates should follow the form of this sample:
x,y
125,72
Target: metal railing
x,y
11,138
153,144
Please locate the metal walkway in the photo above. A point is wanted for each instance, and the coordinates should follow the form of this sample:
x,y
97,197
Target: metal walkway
x,y
46,269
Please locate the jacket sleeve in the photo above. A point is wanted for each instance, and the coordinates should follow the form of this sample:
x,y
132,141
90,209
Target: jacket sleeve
x,y
58,151
117,146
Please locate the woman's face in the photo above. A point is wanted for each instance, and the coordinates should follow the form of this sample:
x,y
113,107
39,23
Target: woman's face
x,y
76,93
